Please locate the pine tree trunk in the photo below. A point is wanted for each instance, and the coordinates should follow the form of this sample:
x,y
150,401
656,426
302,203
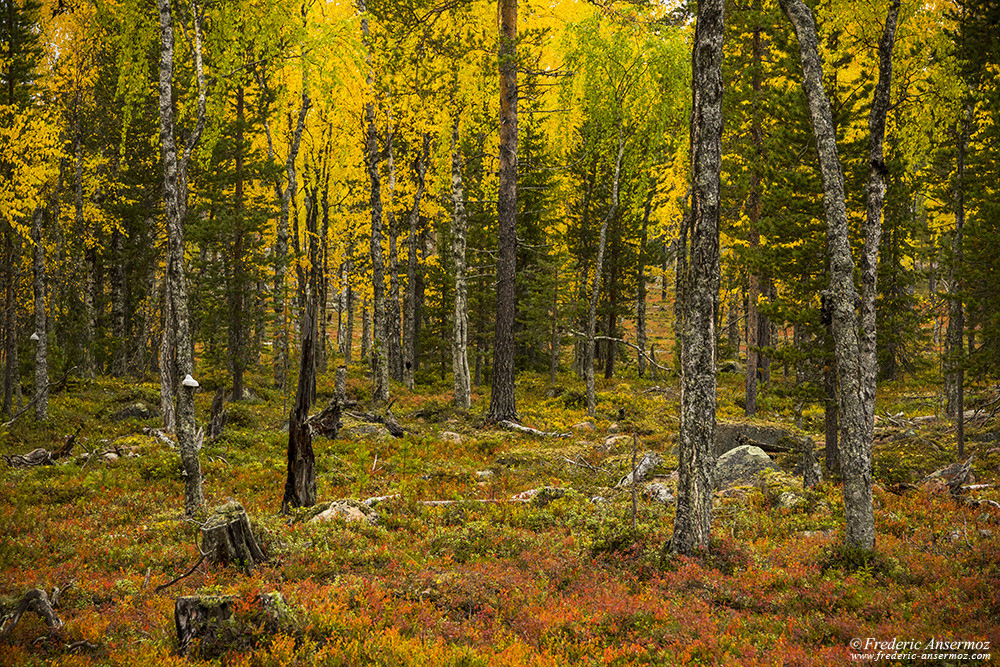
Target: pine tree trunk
x,y
300,484
503,405
10,376
460,330
118,306
954,335
410,300
41,345
89,366
855,452
753,212
698,284
238,284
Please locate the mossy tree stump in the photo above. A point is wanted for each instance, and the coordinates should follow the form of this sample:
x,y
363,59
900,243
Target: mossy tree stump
x,y
228,538
197,616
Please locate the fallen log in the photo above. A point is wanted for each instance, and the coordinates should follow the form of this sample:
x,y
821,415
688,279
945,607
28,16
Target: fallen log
x,y
513,426
648,461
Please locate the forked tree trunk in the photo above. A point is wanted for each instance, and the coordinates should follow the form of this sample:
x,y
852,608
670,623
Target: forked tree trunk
x,y
855,452
699,288
460,330
41,330
877,173
503,405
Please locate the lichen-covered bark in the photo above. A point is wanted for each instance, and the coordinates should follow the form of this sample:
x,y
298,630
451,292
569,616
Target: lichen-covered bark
x,y
698,285
855,452
41,330
410,300
873,218
176,356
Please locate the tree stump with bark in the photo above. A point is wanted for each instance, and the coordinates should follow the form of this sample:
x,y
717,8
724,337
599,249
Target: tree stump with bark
x,y
228,538
200,616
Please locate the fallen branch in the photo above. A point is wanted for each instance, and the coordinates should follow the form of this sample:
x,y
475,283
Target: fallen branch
x,y
183,576
159,435
511,426
34,600
389,421
635,347
34,400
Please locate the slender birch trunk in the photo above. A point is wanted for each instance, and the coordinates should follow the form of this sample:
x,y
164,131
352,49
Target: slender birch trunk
x,y
459,229
393,334
595,291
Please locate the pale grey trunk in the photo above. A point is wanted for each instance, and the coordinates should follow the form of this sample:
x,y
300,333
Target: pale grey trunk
x,y
460,330
410,300
380,356
41,345
118,305
873,220
555,338
855,451
753,213
595,292
176,351
366,331
699,290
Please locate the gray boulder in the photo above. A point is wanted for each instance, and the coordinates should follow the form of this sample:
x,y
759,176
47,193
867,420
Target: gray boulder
x,y
741,466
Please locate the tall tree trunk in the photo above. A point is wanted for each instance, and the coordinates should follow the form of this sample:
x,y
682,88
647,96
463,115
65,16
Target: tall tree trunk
x,y
238,285
640,299
555,336
300,484
855,452
595,291
89,259
393,332
460,330
877,173
699,289
380,356
324,283
177,349
954,336
410,299
503,405
10,374
753,213
41,329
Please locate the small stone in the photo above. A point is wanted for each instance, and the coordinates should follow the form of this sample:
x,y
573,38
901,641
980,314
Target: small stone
x,y
349,510
658,493
789,500
614,428
110,456
584,426
451,436
483,475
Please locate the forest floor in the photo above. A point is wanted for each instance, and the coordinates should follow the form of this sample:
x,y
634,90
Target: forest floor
x,y
560,579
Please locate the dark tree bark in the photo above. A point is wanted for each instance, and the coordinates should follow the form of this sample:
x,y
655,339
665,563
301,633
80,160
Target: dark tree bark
x,y
238,283
503,406
380,356
855,452
11,381
410,300
753,213
393,331
595,292
699,289
300,484
640,299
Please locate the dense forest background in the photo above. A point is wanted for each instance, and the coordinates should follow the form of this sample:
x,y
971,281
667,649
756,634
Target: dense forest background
x,y
287,117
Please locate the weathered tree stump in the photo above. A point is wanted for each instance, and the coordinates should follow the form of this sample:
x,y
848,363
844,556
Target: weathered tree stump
x,y
340,384
228,538
197,616
811,475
